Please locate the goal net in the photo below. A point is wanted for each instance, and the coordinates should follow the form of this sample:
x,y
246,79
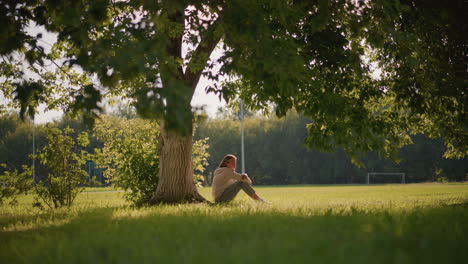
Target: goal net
x,y
386,177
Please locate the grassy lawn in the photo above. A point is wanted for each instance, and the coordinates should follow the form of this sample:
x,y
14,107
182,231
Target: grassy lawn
x,y
414,223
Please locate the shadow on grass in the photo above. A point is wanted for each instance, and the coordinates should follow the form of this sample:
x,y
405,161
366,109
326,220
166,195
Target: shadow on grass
x,y
235,233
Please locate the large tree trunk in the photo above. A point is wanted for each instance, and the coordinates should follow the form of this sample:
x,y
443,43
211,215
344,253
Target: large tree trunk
x,y
175,160
176,183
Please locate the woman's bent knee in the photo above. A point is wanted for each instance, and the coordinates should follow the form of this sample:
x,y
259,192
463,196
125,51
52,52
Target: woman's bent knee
x,y
240,183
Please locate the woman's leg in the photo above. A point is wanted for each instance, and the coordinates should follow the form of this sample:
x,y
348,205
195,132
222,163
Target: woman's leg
x,y
233,189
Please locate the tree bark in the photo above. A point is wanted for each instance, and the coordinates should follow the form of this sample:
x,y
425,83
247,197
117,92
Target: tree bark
x,y
176,183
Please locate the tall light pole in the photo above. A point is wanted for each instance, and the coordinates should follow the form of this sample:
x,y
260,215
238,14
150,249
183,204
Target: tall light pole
x,y
242,135
34,150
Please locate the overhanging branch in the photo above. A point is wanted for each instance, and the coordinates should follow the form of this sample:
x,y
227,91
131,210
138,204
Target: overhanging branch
x,y
201,55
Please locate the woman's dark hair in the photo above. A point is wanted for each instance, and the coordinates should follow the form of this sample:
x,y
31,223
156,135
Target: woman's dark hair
x,y
225,160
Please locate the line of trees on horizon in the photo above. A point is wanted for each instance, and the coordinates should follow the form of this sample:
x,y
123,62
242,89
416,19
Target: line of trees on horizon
x,y
275,154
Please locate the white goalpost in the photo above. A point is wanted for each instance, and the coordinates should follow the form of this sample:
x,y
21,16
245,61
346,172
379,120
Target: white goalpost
x,y
401,174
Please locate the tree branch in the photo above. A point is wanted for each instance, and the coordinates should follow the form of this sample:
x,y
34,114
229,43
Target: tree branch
x,y
70,78
201,55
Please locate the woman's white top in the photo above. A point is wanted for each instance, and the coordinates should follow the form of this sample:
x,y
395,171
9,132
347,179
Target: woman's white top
x,y
223,177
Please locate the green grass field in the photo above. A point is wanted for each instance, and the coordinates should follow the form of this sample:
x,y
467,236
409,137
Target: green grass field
x,y
414,223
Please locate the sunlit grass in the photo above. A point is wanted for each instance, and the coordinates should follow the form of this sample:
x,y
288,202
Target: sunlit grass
x,y
411,223
101,189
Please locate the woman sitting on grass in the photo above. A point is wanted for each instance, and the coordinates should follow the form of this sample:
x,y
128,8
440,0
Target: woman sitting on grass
x,y
227,182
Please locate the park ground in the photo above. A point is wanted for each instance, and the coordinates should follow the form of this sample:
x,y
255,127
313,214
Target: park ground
x,y
413,223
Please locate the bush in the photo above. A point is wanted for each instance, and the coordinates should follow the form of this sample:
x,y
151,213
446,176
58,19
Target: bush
x,y
64,160
442,179
129,156
200,160
14,183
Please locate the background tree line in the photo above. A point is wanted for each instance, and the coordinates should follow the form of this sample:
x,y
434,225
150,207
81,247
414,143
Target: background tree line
x,y
275,154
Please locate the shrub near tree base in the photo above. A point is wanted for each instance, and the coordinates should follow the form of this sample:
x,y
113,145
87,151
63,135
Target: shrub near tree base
x,y
64,160
129,156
